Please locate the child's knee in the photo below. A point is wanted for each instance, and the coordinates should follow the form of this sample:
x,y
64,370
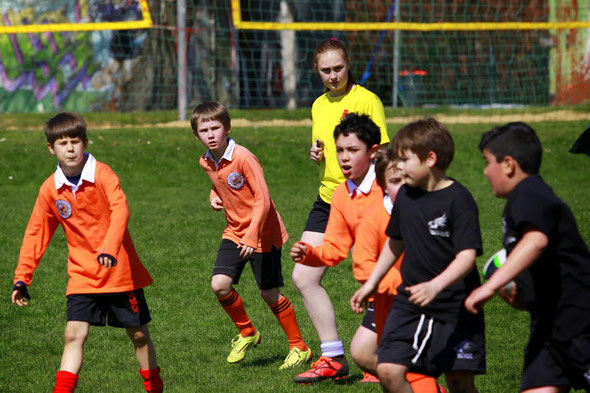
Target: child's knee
x,y
139,336
305,279
75,332
460,382
221,285
270,296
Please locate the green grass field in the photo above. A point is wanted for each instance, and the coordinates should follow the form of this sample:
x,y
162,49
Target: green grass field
x,y
177,234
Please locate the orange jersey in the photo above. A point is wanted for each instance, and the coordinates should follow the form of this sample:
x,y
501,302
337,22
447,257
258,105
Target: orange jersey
x,y
251,216
370,240
346,214
94,217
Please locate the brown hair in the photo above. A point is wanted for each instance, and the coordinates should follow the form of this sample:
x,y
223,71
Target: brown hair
x,y
423,136
383,160
210,110
333,44
65,124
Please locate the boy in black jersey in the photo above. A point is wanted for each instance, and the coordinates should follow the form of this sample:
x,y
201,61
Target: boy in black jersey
x,y
435,221
541,235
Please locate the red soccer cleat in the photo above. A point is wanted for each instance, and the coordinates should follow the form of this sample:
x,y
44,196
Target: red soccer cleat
x,y
324,368
369,378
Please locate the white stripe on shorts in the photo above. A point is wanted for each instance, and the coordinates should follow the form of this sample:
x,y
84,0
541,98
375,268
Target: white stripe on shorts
x,y
424,340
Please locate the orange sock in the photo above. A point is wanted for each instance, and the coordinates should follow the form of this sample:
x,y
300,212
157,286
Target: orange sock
x,y
234,307
152,381
65,382
285,313
422,383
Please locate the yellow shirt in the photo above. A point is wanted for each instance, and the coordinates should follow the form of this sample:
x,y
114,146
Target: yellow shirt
x,y
327,112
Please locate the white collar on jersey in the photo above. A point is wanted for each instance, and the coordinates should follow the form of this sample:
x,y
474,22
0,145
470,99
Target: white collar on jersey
x,y
366,184
388,204
87,173
227,155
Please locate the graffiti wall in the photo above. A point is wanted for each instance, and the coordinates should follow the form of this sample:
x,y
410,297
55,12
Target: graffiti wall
x,y
76,71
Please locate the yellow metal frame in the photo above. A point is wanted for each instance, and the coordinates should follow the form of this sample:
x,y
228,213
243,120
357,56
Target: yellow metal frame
x,y
145,23
438,26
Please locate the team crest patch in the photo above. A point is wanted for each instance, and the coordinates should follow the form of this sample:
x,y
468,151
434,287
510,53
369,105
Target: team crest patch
x,y
64,209
235,180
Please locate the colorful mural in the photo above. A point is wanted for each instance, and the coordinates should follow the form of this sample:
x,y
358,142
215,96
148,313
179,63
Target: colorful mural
x,y
81,71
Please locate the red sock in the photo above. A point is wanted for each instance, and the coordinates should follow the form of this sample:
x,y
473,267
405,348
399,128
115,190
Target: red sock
x,y
285,313
65,382
152,381
422,383
234,307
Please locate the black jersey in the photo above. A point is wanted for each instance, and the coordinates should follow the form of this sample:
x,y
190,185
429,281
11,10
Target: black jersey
x,y
434,227
561,276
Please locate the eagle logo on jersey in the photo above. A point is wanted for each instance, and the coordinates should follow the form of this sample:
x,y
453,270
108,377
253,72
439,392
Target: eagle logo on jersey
x,y
235,180
64,209
438,226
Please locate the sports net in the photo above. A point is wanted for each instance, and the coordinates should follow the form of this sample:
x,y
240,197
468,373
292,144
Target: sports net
x,y
258,54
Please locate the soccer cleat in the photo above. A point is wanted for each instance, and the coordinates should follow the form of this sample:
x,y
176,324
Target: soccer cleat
x,y
324,368
240,345
296,357
441,389
369,378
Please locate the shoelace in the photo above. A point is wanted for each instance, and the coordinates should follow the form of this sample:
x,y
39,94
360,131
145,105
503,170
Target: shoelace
x,y
321,360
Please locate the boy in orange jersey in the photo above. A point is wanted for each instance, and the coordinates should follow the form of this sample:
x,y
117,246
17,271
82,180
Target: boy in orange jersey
x,y
254,232
357,140
106,277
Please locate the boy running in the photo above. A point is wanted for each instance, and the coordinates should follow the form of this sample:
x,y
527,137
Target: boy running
x,y
105,276
541,237
254,233
435,221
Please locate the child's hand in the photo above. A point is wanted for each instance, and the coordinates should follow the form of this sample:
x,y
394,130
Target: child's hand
x,y
217,203
246,252
298,250
317,151
512,297
476,299
20,295
423,294
358,301
107,261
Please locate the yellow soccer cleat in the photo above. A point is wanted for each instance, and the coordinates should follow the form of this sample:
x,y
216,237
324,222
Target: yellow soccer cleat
x,y
240,345
296,357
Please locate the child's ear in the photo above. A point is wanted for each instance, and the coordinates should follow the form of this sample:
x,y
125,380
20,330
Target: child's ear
x,y
431,159
50,147
509,166
373,151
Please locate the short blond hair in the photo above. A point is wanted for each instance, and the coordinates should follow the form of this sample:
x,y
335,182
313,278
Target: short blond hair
x,y
210,110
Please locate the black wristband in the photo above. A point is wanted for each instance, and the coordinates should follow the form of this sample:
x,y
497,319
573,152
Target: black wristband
x,y
22,287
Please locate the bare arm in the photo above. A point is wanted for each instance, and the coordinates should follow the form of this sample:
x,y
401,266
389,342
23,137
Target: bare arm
x,y
527,251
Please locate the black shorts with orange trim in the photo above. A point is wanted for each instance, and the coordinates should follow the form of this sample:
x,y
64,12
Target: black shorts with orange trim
x,y
121,309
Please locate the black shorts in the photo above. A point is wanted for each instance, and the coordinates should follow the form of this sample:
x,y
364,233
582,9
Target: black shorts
x,y
553,364
121,309
369,318
318,216
265,265
431,346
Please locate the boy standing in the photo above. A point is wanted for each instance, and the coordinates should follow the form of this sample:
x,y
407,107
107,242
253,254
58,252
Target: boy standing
x,y
106,277
541,237
435,221
254,232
